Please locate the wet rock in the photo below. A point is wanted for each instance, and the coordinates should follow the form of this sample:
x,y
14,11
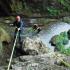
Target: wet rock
x,y
34,46
68,34
53,40
38,62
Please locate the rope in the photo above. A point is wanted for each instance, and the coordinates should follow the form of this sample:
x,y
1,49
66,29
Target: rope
x,y
12,52
67,64
64,62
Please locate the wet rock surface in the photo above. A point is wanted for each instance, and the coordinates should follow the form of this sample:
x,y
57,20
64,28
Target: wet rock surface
x,y
38,62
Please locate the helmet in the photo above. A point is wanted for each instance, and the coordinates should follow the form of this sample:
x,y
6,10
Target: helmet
x,y
18,18
35,26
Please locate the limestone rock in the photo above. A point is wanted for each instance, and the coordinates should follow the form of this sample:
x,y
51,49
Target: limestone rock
x,y
38,62
34,45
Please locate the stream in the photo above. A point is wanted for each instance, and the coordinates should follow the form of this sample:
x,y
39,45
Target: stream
x,y
51,30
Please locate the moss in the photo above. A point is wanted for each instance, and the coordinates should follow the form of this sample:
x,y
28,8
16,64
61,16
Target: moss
x,y
64,37
4,36
53,11
60,41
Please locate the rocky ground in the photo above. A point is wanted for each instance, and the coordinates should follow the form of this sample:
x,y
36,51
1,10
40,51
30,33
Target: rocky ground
x,y
38,62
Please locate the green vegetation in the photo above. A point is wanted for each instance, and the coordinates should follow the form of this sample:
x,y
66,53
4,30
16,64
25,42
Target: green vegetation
x,y
60,42
20,7
41,7
48,7
66,4
53,11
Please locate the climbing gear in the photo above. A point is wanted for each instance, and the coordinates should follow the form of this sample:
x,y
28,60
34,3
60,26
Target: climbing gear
x,y
12,51
35,26
65,63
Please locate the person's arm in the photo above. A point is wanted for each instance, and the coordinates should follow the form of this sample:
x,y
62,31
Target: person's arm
x,y
21,25
38,29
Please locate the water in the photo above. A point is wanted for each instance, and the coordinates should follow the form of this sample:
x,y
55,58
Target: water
x,y
51,30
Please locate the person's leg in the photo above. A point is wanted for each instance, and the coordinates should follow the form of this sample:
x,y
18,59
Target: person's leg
x,y
19,36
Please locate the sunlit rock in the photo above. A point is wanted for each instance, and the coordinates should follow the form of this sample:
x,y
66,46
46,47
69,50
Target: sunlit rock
x,y
34,45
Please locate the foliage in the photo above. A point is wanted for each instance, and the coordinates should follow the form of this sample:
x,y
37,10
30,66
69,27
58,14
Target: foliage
x,y
44,7
66,4
60,39
27,10
20,8
64,37
17,7
53,11
54,7
67,51
60,42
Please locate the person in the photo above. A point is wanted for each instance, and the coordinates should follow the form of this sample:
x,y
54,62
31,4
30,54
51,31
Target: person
x,y
18,28
19,24
37,28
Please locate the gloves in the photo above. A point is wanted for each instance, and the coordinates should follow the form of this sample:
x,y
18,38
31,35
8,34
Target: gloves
x,y
18,29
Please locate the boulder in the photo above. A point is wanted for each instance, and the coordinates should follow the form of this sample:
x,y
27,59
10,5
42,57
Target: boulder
x,y
39,62
34,46
53,40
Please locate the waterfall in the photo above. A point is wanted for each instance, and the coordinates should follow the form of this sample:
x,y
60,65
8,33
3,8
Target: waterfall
x,y
52,30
